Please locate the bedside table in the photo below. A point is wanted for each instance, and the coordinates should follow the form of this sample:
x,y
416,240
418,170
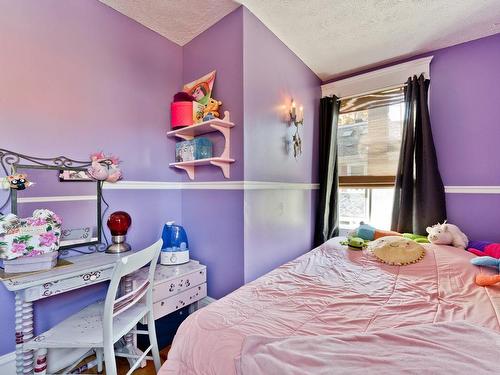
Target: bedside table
x,y
174,286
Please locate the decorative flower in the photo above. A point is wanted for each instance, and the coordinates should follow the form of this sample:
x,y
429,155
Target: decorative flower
x,y
56,219
34,253
18,247
47,239
36,221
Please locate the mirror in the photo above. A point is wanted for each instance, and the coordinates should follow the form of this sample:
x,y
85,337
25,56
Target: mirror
x,y
68,192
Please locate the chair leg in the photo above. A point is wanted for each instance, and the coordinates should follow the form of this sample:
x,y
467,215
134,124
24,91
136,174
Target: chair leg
x,y
99,354
152,340
109,359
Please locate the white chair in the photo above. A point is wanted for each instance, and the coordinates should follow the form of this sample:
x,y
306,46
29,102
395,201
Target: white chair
x,y
100,325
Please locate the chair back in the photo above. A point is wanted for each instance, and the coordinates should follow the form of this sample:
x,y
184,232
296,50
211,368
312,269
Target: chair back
x,y
124,266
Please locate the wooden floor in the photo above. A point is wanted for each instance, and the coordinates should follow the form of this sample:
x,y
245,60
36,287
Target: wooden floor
x,y
123,367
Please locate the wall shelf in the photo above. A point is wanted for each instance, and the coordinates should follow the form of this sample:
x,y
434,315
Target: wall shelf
x,y
188,166
189,132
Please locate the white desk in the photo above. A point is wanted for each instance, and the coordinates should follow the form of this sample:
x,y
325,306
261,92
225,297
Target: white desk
x,y
92,269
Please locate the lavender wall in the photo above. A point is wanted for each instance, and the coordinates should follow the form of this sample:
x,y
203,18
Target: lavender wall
x,y
214,218
278,223
77,77
465,115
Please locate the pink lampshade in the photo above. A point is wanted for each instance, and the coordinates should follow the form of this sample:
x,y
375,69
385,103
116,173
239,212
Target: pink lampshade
x,y
119,222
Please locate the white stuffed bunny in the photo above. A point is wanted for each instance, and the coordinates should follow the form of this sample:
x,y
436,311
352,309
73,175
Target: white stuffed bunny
x,y
447,234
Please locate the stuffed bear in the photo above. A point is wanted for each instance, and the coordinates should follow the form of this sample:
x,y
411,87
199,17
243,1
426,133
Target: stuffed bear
x,y
447,234
211,109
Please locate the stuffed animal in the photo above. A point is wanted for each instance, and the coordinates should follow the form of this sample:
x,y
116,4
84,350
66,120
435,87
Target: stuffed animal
x,y
485,248
370,233
104,168
487,280
211,109
447,234
356,243
18,181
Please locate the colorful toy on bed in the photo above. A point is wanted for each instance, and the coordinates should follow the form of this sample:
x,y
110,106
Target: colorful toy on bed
x,y
447,234
483,279
484,248
370,233
355,243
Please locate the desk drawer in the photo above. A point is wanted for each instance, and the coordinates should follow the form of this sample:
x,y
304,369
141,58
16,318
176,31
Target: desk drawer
x,y
171,304
64,285
162,290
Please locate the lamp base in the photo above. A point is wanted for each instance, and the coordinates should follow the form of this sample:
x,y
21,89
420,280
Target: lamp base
x,y
118,246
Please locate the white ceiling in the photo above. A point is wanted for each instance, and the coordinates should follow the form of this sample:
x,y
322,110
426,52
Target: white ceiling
x,y
178,20
332,37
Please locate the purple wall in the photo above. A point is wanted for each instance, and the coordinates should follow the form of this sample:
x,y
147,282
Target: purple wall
x,y
220,48
214,218
465,116
78,77
278,223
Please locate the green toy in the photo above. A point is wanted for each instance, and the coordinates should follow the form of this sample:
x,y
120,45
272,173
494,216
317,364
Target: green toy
x,y
355,243
416,237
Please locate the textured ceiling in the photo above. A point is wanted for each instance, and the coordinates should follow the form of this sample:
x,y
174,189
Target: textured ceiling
x,y
334,37
178,20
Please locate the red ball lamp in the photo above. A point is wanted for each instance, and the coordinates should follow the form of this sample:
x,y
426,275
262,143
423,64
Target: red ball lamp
x,y
118,224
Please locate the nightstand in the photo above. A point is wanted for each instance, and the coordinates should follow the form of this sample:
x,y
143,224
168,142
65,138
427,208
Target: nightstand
x,y
175,286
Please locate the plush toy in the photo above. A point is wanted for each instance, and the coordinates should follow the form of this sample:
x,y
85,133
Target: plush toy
x,y
447,234
18,181
355,243
211,109
370,233
486,280
104,168
485,248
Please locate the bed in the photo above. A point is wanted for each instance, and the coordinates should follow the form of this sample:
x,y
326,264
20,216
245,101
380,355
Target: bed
x,y
332,291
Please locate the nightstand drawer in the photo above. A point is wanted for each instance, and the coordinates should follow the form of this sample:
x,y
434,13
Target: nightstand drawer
x,y
173,303
178,285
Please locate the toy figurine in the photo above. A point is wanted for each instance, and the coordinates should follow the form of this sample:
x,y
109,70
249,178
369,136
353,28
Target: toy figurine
x,y
18,181
211,110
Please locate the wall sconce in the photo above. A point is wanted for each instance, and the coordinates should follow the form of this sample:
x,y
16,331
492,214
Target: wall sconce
x,y
296,119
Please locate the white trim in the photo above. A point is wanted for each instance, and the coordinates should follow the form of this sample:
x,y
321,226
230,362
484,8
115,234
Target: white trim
x,y
215,185
378,79
58,198
472,189
8,363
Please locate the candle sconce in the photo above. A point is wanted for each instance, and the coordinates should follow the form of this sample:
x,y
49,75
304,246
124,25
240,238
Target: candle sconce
x,y
296,119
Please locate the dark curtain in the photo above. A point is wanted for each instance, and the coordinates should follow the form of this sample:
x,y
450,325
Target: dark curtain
x,y
419,198
327,214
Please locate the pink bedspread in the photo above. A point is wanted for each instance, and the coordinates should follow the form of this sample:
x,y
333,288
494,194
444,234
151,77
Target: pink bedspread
x,y
331,291
464,349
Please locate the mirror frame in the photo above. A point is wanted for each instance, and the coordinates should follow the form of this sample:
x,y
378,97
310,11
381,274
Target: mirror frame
x,y
9,158
14,203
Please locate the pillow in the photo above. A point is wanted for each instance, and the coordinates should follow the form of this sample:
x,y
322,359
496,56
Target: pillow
x,y
396,251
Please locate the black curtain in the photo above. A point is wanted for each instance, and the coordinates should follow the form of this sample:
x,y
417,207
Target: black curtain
x,y
327,214
419,198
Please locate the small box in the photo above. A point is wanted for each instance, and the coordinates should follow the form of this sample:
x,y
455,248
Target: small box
x,y
195,149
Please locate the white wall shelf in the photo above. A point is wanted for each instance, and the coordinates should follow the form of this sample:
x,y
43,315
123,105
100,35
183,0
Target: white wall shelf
x,y
189,132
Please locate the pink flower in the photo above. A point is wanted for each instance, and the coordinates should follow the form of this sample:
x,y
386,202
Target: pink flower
x,y
36,221
34,253
47,239
57,219
18,248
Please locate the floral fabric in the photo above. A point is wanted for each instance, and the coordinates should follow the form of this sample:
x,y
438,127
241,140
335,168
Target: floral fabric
x,y
31,236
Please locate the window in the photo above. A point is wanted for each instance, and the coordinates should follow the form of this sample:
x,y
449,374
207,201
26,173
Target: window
x,y
369,142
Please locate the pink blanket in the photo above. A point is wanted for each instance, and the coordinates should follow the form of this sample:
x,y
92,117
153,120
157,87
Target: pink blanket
x,y
458,348
333,291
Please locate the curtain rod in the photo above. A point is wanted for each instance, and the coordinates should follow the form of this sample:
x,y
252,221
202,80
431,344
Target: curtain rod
x,y
372,92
